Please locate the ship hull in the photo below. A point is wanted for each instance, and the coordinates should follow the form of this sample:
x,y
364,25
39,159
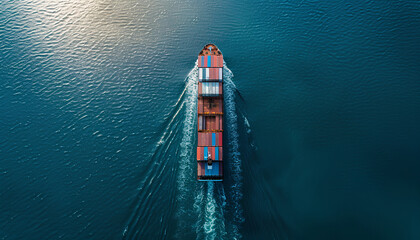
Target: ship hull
x,y
210,114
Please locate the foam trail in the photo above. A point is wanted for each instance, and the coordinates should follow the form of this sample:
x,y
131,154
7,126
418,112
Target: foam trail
x,y
210,213
221,206
188,130
235,165
157,172
198,207
185,173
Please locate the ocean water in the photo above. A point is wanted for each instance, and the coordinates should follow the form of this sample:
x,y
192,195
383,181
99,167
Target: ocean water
x,y
98,99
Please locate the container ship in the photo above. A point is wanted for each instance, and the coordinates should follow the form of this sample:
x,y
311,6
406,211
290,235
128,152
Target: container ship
x,y
210,114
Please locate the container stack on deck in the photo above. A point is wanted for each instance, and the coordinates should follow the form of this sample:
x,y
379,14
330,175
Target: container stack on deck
x,y
210,114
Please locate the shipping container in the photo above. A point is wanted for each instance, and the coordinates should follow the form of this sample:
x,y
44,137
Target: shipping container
x,y
200,105
200,169
210,122
210,139
210,88
211,105
210,61
210,74
220,61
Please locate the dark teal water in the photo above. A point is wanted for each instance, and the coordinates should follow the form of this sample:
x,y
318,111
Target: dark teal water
x,y
97,135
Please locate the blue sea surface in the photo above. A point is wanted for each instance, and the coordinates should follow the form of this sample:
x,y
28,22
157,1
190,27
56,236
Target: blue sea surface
x,y
98,120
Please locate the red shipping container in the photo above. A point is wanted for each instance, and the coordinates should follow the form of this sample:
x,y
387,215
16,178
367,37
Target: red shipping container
x,y
205,61
204,136
211,151
214,123
214,106
206,142
209,124
199,105
200,168
220,88
198,153
201,157
206,105
200,139
209,139
203,139
214,60
220,139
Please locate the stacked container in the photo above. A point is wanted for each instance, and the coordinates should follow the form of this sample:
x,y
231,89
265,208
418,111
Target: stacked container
x,y
210,115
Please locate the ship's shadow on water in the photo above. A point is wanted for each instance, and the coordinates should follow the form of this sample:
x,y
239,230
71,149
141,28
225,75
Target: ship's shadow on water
x,y
199,210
